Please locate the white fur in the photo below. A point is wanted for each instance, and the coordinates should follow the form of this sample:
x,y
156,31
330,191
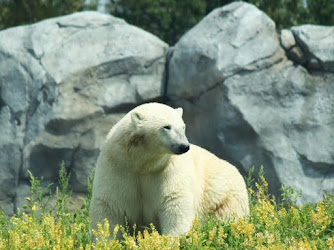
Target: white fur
x,y
139,176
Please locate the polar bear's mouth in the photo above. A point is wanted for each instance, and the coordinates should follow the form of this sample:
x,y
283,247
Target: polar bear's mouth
x,y
180,148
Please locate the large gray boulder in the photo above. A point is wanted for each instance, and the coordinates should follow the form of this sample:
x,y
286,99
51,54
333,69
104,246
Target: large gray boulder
x,y
64,82
246,102
235,38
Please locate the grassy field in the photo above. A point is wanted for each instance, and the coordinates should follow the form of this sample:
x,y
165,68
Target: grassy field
x,y
271,225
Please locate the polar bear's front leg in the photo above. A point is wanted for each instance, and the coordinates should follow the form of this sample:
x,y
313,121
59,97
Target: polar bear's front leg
x,y
101,210
176,217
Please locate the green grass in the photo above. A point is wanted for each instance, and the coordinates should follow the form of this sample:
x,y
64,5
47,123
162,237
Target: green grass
x,y
271,225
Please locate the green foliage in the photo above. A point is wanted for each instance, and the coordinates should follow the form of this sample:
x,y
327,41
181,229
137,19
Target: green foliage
x,y
19,12
285,13
62,193
47,221
321,11
36,195
167,19
170,19
271,225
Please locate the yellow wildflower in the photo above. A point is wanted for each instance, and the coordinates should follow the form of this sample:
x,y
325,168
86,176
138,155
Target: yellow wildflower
x,y
221,233
330,243
34,208
301,244
270,237
130,243
116,229
243,227
260,238
320,219
212,235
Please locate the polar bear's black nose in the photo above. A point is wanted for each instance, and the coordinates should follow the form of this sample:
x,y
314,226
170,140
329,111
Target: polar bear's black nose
x,y
183,148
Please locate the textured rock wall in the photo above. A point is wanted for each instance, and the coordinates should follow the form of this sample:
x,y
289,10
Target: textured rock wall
x,y
257,98
250,95
64,83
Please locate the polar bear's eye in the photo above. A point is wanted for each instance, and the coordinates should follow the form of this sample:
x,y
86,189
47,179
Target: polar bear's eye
x,y
167,127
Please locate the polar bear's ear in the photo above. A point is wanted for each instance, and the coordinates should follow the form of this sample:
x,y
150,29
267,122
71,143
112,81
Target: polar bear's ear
x,y
137,117
180,111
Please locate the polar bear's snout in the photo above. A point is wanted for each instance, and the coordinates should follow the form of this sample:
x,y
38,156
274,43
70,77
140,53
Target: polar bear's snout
x,y
183,148
180,148
179,141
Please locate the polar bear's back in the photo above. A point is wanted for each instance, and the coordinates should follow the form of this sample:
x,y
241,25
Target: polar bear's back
x,y
224,189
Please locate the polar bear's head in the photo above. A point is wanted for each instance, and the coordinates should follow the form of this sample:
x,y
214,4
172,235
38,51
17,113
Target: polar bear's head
x,y
161,128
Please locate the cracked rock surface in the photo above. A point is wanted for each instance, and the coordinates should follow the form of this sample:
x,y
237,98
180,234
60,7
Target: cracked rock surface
x,y
317,44
248,103
64,82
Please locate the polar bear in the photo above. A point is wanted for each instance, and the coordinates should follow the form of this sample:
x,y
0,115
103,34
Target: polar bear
x,y
147,172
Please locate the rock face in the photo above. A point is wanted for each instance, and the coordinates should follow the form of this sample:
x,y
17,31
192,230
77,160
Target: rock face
x,y
246,102
317,44
228,40
64,82
251,96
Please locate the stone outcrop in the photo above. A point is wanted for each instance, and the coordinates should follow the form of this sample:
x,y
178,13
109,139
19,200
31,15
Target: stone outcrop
x,y
246,100
250,95
64,82
316,43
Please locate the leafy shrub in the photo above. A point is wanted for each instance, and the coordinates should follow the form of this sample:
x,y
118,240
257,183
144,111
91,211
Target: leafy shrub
x,y
170,19
20,12
271,225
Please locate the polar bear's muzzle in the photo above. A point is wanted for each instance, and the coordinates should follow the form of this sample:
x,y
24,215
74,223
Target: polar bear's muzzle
x,y
180,148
